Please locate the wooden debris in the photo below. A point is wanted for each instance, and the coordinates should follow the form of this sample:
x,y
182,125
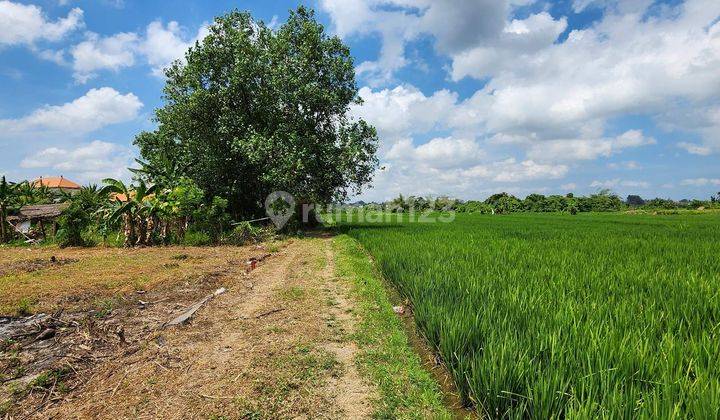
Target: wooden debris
x,y
188,314
264,314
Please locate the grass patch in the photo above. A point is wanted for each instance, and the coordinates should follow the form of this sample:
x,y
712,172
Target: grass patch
x,y
98,274
292,293
385,355
24,307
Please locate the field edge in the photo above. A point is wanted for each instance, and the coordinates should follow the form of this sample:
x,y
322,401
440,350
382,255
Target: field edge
x,y
386,356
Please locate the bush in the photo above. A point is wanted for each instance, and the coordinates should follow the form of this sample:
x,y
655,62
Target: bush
x,y
73,223
196,238
474,207
245,233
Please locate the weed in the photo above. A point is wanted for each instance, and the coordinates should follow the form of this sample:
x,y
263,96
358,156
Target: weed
x,y
24,307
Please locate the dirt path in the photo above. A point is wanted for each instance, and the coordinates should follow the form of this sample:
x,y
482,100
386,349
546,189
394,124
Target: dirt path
x,y
274,346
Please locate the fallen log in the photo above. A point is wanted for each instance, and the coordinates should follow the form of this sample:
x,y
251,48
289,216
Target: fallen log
x,y
190,312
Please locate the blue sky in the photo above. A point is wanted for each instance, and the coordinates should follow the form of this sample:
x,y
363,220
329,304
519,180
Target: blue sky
x,y
469,97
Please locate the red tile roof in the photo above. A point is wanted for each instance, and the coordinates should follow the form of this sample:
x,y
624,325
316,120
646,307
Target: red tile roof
x,y
56,182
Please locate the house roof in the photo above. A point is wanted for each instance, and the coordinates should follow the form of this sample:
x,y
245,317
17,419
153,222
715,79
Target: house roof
x,y
56,182
123,198
42,211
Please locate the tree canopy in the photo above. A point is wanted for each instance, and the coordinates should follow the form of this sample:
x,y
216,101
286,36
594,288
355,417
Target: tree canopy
x,y
253,110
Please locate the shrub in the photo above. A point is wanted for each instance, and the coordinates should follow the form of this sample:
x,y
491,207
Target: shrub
x,y
245,233
196,238
73,222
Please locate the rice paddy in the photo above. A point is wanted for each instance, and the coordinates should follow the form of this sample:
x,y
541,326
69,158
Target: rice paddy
x,y
549,316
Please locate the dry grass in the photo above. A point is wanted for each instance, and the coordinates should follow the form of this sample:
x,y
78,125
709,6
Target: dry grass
x,y
89,276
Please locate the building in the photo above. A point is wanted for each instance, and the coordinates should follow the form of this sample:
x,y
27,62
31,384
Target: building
x,y
57,183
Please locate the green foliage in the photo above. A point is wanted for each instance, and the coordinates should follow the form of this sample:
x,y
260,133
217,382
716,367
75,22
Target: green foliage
x,y
504,203
74,221
253,110
184,197
196,238
553,316
213,219
475,207
7,202
24,307
245,233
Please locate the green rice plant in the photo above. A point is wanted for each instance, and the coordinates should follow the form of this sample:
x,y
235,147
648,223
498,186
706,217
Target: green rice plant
x,y
554,316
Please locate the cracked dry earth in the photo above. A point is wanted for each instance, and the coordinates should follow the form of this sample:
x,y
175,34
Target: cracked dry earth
x,y
276,345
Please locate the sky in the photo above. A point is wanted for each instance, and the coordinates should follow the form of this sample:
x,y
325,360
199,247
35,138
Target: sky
x,y
470,97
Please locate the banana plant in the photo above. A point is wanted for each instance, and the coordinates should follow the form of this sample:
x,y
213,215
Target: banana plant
x,y
132,210
8,199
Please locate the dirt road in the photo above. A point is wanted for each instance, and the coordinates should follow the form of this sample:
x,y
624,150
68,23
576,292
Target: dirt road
x,y
275,345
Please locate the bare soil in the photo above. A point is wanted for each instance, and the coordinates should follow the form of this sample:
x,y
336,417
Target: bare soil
x,y
275,345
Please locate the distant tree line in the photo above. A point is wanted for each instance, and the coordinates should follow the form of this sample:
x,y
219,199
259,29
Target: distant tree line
x,y
502,203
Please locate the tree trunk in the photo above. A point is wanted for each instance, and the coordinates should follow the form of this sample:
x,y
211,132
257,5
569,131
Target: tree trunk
x,y
151,224
129,230
141,226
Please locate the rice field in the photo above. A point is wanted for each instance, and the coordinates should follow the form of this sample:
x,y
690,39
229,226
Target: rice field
x,y
549,316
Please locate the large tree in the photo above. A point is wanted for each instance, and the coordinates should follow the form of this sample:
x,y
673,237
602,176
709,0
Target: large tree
x,y
253,110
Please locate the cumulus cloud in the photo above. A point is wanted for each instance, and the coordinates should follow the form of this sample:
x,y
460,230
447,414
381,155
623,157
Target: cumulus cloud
x,y
630,165
89,162
98,53
439,153
164,44
96,109
405,110
695,149
613,183
160,45
587,149
518,41
625,63
701,182
454,24
638,58
27,24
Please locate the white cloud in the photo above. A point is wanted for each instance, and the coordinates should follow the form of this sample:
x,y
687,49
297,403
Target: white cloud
x,y
641,58
695,149
455,25
98,53
569,186
438,153
160,46
700,182
587,149
27,24
613,183
96,109
164,44
627,165
517,42
423,178
510,170
404,110
89,162
625,63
